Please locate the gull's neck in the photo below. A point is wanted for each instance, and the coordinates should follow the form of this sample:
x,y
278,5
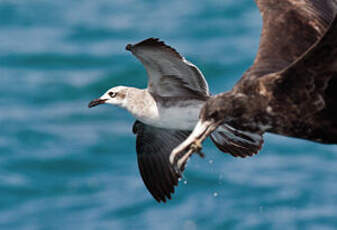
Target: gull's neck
x,y
141,104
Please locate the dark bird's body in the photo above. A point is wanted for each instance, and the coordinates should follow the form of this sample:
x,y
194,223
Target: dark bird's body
x,y
291,88
293,99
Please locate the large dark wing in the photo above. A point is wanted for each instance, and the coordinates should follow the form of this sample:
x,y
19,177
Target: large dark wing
x,y
154,146
169,73
290,27
307,90
304,82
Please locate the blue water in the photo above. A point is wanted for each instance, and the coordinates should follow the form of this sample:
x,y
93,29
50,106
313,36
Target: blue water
x,y
63,166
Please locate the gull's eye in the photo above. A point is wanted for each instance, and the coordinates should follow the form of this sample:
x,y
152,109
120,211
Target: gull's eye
x,y
112,94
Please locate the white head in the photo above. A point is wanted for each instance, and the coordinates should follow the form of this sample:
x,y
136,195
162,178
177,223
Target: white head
x,y
115,96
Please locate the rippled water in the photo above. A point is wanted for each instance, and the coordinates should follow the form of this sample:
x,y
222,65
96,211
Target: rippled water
x,y
63,166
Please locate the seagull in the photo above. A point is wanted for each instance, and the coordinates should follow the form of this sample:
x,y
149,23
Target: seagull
x,y
166,113
291,88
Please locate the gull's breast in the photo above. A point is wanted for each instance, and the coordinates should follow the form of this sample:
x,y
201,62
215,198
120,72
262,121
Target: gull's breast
x,y
165,113
181,116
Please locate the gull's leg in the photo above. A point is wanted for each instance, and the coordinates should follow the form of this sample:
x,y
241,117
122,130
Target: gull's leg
x,y
180,163
200,132
185,146
192,144
194,148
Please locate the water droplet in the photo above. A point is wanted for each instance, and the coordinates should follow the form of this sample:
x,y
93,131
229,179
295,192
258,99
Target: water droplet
x,y
210,162
189,225
185,181
261,209
215,194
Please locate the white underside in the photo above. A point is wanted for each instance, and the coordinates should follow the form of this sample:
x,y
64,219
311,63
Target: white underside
x,y
180,115
181,118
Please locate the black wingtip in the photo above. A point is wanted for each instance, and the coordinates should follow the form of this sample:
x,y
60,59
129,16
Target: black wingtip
x,y
148,41
152,42
128,47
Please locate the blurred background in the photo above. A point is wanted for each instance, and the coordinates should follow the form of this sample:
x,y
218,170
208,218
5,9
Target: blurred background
x,y
63,166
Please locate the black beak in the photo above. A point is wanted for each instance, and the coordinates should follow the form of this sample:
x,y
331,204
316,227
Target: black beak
x,y
96,102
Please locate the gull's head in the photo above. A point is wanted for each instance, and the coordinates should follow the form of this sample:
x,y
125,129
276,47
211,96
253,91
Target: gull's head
x,y
115,96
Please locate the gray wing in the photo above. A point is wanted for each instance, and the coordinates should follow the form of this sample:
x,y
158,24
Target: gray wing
x,y
290,27
153,147
169,73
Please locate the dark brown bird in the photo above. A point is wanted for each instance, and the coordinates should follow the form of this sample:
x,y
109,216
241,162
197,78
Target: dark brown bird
x,y
291,88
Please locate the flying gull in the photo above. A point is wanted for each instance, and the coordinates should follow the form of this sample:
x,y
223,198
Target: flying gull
x,y
166,113
291,88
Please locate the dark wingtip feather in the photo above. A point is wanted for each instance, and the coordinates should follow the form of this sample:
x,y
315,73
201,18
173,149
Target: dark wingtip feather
x,y
128,47
153,42
154,146
243,146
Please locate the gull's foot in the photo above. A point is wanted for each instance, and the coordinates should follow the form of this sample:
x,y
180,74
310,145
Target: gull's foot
x,y
196,146
180,157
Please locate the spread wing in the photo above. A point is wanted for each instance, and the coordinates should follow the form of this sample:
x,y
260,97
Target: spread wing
x,y
290,27
304,83
307,90
154,146
169,73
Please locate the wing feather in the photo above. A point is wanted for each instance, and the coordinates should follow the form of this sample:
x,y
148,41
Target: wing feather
x,y
153,147
304,82
163,63
290,27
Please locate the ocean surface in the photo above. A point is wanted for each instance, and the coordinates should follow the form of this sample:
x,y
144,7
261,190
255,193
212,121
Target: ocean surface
x,y
63,166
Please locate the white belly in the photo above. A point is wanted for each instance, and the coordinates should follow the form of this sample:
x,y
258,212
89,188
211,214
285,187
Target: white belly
x,y
146,109
181,118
